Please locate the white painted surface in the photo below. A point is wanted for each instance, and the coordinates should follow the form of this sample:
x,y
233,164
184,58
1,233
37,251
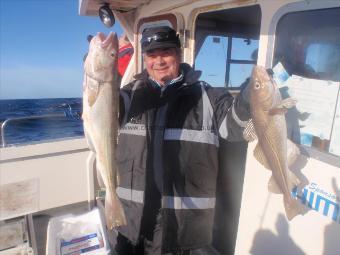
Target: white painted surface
x,y
59,168
19,198
263,226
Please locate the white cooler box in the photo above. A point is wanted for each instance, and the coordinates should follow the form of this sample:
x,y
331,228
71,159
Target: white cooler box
x,y
81,234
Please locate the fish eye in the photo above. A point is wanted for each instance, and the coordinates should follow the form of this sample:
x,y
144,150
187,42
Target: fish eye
x,y
257,85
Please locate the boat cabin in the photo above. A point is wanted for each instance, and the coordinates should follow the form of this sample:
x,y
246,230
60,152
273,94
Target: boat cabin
x,y
299,40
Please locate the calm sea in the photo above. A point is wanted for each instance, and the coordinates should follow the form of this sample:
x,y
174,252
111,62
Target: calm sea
x,y
36,120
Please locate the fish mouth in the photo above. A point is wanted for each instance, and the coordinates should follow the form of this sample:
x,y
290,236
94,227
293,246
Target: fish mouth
x,y
106,41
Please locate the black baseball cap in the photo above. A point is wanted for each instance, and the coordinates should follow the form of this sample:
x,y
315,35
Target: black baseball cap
x,y
159,38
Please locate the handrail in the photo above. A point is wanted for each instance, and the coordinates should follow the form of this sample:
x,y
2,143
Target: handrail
x,y
4,124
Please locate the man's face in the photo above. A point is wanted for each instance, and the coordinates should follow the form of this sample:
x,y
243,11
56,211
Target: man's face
x,y
162,64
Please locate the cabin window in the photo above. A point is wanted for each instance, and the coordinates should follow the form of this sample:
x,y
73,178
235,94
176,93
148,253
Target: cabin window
x,y
213,48
226,44
307,48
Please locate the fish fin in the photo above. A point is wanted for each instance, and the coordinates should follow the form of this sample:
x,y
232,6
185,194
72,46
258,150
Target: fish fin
x,y
292,207
277,110
114,213
259,155
89,140
283,107
288,103
292,152
249,132
273,187
293,179
100,179
92,91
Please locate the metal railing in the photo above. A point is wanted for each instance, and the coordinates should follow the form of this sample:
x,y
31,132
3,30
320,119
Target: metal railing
x,y
4,124
68,113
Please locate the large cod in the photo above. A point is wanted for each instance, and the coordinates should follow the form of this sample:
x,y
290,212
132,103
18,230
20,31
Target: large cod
x,y
100,117
274,151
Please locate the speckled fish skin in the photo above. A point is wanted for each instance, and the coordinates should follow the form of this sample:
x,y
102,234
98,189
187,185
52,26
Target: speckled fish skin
x,y
267,111
100,117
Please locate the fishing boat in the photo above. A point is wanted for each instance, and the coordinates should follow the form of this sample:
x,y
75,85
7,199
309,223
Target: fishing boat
x,y
298,39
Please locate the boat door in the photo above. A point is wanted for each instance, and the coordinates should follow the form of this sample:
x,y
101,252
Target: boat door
x,y
226,46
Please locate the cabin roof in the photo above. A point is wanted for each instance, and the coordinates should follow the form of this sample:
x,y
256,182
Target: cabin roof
x,y
91,7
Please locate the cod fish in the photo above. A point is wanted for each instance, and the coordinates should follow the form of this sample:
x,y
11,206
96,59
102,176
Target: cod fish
x,y
268,125
100,117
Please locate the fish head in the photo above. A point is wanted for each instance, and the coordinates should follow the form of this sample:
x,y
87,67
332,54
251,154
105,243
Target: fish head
x,y
101,61
262,89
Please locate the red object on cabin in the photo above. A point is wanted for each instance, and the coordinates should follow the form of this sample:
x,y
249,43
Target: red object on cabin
x,y
124,56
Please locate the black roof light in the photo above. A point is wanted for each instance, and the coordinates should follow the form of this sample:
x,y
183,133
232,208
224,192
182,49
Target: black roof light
x,y
106,15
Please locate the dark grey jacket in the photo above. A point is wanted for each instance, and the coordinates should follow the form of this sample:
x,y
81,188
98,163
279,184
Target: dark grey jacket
x,y
168,156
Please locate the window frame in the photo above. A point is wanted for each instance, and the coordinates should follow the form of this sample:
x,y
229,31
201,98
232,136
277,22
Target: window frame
x,y
286,9
313,152
229,61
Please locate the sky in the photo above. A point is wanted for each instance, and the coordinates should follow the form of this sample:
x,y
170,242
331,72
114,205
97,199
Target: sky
x,y
212,58
42,44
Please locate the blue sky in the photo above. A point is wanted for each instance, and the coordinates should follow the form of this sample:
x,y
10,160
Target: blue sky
x,y
42,44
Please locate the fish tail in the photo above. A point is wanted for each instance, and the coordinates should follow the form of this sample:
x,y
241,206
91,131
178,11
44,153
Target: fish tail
x,y
292,207
293,181
114,213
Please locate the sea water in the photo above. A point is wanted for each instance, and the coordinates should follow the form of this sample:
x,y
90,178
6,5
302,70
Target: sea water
x,y
38,120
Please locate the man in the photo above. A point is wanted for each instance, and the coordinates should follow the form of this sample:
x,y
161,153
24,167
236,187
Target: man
x,y
168,151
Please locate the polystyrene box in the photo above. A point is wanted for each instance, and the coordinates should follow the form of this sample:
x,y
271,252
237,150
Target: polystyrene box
x,y
81,234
